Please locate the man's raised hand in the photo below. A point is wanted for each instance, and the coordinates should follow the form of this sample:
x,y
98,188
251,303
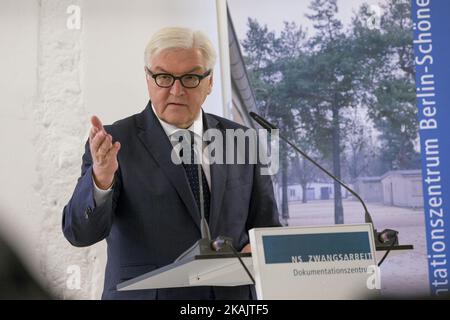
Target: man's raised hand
x,y
104,154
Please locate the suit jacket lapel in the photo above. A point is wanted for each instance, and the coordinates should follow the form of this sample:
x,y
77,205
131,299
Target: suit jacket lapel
x,y
158,145
218,178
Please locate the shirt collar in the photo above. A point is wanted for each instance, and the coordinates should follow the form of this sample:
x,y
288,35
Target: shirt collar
x,y
170,129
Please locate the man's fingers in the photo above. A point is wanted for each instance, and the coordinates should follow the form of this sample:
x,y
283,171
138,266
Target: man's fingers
x,y
104,147
95,121
92,133
97,141
116,147
100,142
114,150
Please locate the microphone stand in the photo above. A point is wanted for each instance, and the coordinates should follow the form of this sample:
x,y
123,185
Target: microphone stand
x,y
221,246
387,239
203,246
207,247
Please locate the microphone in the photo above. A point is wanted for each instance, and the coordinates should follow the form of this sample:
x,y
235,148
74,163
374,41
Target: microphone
x,y
205,245
386,238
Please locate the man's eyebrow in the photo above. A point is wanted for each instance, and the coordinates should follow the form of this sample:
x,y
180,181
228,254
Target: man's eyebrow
x,y
196,68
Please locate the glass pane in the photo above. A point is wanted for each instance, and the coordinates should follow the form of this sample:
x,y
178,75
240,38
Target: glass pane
x,y
164,80
190,81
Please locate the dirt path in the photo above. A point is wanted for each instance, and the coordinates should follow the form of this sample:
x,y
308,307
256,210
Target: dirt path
x,y
402,275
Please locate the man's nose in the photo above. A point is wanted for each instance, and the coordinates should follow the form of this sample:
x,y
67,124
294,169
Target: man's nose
x,y
177,88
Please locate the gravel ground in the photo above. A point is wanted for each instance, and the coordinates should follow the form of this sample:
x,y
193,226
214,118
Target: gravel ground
x,y
403,275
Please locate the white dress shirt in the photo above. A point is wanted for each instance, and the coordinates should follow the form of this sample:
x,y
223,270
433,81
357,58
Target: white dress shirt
x,y
196,127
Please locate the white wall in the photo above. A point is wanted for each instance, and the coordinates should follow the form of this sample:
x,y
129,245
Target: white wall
x,y
406,190
52,80
115,34
19,202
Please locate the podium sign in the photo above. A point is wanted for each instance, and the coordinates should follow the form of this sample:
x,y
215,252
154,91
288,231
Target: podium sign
x,y
323,262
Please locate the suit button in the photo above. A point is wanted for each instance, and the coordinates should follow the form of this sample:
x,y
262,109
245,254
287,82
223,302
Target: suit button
x,y
87,212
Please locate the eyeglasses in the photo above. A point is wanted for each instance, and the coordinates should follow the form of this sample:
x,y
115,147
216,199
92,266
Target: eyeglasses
x,y
166,80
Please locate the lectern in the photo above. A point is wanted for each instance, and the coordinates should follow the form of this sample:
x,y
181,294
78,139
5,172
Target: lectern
x,y
325,262
201,270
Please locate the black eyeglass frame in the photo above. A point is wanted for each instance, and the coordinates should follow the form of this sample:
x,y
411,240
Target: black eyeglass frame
x,y
200,77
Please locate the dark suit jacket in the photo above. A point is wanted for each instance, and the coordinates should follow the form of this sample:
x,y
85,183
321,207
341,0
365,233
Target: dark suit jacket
x,y
151,216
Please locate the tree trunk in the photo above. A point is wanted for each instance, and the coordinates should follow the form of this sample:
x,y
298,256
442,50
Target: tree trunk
x,y
304,181
338,208
304,186
284,190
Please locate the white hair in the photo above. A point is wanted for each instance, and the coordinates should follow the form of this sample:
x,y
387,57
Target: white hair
x,y
180,38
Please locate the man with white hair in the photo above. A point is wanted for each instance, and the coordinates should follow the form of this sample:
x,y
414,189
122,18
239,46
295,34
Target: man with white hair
x,y
147,207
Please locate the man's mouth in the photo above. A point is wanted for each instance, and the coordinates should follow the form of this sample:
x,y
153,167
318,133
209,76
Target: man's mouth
x,y
177,104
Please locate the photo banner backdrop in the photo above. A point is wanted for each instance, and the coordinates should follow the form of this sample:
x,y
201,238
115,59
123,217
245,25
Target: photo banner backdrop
x,y
432,61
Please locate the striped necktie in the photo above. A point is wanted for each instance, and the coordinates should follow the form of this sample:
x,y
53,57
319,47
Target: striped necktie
x,y
192,176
